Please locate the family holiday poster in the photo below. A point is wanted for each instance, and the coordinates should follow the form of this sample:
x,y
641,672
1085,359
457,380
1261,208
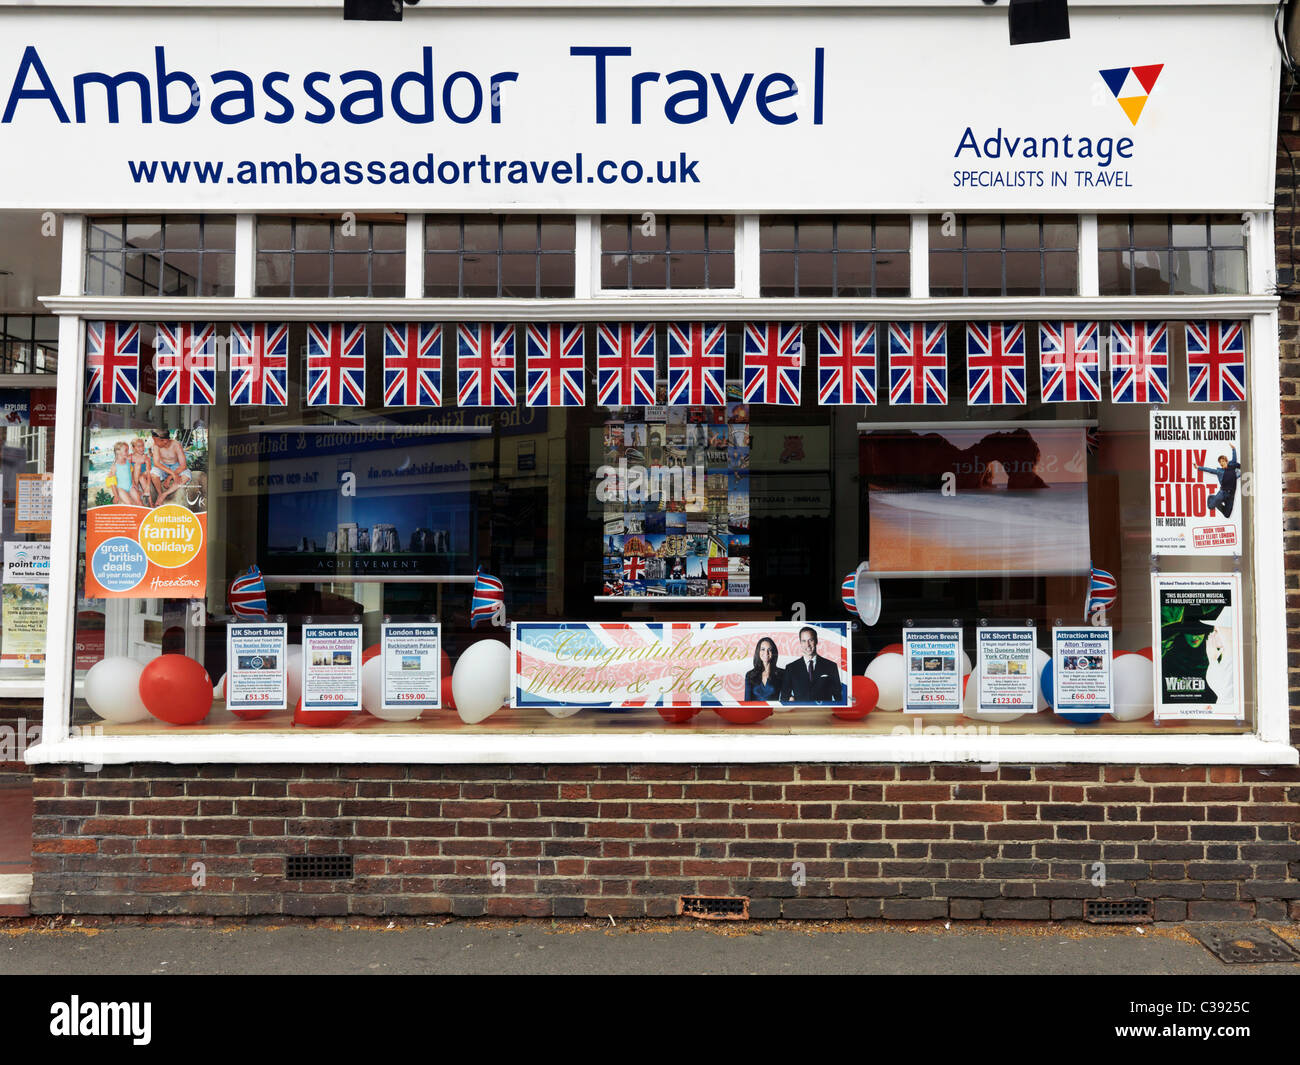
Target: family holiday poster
x,y
146,514
1195,476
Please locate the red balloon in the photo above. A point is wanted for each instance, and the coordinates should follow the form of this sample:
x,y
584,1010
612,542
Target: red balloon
x,y
892,649
747,713
176,689
244,713
677,715
370,652
448,701
1147,653
318,718
865,696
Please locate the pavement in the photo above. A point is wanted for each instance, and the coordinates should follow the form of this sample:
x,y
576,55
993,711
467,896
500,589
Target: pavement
x,y
72,947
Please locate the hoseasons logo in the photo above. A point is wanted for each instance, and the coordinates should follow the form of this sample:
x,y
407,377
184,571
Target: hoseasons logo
x,y
102,1018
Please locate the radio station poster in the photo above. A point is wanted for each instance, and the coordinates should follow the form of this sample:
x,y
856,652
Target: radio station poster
x,y
1195,475
255,666
26,562
33,503
146,514
1198,646
331,667
1006,668
412,663
933,660
1081,668
687,664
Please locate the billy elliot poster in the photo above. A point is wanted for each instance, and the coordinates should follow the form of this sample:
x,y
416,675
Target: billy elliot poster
x,y
1198,646
567,665
1195,480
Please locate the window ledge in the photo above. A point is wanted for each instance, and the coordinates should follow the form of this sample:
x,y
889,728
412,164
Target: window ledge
x,y
353,748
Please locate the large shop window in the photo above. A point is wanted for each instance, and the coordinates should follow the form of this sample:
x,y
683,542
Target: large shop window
x,y
695,526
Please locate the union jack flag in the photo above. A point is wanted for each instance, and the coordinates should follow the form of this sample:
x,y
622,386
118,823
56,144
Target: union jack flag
x,y
918,364
485,365
772,363
336,365
633,568
1069,362
413,364
247,596
625,364
1139,365
1103,592
185,358
846,363
697,364
489,598
1216,362
259,364
995,363
112,362
555,361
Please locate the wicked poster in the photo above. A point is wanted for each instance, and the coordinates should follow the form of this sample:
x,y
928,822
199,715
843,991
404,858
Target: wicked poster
x,y
1198,646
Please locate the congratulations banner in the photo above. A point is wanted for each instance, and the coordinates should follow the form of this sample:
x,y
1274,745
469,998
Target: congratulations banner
x,y
680,663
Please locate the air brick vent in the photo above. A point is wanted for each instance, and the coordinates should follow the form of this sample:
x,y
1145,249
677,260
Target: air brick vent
x,y
1117,911
318,867
715,907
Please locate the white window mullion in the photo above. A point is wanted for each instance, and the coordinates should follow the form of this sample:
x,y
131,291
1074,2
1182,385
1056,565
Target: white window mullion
x,y
1089,274
66,498
586,255
414,256
749,257
245,255
920,256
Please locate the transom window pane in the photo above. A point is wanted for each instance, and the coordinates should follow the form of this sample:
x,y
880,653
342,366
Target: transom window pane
x,y
815,256
486,256
322,256
1164,255
1004,255
160,255
659,251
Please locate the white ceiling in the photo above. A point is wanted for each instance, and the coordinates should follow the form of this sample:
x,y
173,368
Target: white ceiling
x,y
29,259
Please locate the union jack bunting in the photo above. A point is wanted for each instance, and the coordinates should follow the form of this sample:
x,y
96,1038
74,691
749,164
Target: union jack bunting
x,y
697,364
772,362
185,358
995,363
336,365
1139,362
555,364
1216,362
846,363
625,364
489,598
413,364
918,363
1103,592
1069,362
485,365
259,364
112,362
247,596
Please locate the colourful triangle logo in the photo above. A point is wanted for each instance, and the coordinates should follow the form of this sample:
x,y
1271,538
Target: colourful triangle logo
x,y
1117,80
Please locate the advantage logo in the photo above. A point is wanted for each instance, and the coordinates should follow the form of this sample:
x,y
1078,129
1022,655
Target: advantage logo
x,y
1132,86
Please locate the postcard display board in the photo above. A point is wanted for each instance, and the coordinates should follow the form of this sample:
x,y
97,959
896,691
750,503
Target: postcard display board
x,y
675,490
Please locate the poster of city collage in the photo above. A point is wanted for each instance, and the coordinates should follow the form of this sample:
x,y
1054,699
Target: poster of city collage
x,y
674,486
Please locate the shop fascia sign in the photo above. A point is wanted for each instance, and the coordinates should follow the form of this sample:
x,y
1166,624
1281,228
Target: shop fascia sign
x,y
631,112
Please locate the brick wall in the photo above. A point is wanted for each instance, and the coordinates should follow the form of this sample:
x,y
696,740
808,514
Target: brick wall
x,y
18,718
908,842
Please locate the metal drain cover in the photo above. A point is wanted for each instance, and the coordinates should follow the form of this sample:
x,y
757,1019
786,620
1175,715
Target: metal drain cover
x,y
1243,943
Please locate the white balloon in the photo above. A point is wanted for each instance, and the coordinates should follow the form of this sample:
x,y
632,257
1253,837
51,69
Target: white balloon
x,y
971,701
480,681
562,711
966,666
372,694
112,690
219,689
1133,676
889,673
1041,658
293,672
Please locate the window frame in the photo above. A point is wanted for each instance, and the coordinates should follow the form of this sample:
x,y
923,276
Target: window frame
x,y
1268,744
740,235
